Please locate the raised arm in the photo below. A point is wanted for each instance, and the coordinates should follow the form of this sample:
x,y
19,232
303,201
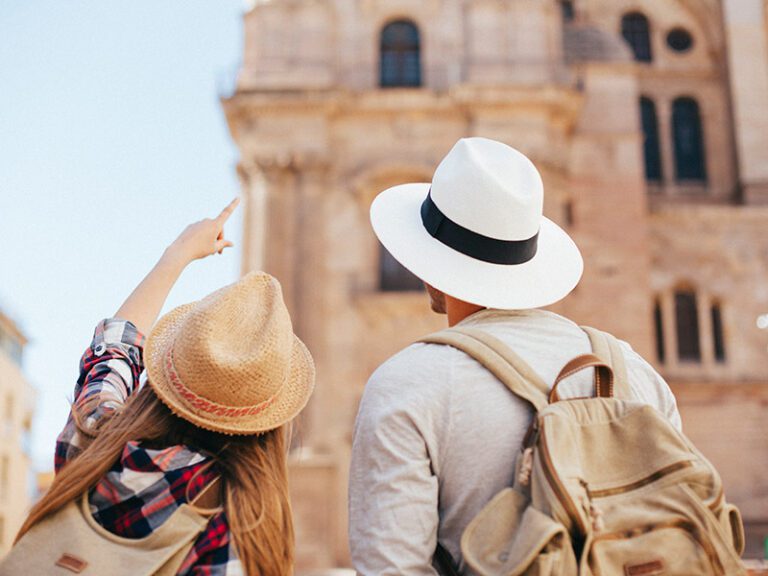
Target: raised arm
x,y
111,366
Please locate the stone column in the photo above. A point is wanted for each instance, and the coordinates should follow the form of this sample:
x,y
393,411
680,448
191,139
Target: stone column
x,y
254,198
275,194
666,142
606,179
706,336
748,66
310,312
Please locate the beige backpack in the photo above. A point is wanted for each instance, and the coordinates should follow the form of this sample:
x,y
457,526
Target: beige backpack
x,y
70,541
604,486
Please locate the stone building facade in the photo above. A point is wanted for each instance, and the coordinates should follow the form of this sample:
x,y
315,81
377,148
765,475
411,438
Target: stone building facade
x,y
16,407
648,120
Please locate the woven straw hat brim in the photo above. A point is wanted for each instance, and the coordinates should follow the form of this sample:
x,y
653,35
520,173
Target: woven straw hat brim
x,y
286,405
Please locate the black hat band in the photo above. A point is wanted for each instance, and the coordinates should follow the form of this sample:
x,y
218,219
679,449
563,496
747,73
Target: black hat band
x,y
471,243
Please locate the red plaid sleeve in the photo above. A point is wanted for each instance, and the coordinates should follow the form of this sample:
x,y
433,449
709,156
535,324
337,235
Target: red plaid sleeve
x,y
109,373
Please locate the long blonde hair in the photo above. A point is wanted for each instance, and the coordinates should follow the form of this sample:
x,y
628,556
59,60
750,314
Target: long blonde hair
x,y
253,469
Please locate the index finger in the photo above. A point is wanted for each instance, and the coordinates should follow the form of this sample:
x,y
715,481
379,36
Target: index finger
x,y
227,212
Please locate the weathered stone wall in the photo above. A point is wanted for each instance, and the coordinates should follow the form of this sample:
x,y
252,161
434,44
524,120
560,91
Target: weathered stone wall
x,y
16,405
319,140
726,421
721,252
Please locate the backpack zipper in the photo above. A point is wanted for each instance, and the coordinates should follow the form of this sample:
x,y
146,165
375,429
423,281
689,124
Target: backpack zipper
x,y
659,474
565,500
642,482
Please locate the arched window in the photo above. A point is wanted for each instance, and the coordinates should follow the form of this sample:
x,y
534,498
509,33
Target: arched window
x,y
689,140
636,31
393,276
717,332
687,323
651,148
400,55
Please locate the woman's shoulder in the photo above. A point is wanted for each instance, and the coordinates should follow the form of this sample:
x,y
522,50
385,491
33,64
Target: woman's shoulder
x,y
146,485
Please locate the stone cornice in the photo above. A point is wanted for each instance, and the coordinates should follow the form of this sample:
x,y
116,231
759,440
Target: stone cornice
x,y
274,165
715,212
463,99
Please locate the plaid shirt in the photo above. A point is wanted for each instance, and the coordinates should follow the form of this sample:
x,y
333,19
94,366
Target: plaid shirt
x,y
144,487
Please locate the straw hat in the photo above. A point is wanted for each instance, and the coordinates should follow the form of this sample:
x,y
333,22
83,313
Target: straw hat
x,y
477,232
231,362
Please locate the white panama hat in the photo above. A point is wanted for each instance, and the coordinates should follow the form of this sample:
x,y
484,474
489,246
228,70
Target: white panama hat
x,y
477,233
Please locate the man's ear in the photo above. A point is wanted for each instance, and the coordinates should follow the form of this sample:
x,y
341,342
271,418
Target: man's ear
x,y
436,299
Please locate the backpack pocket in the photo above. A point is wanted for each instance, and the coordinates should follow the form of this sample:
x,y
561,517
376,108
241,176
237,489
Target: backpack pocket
x,y
669,549
678,536
509,537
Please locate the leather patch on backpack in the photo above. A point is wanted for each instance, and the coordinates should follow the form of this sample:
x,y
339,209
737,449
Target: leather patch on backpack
x,y
71,563
652,568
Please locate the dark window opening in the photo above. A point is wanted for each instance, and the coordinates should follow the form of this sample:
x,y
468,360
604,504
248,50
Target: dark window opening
x,y
394,277
400,55
689,140
679,39
651,146
687,320
659,326
636,31
568,213
717,333
568,11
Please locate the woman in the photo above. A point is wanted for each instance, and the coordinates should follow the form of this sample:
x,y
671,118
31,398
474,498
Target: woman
x,y
225,376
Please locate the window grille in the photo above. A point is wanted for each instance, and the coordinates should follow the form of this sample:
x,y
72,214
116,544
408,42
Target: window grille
x,y
717,333
687,320
636,31
689,140
651,146
400,55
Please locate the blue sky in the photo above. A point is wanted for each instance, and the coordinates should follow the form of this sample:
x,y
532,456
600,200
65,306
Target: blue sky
x,y
112,139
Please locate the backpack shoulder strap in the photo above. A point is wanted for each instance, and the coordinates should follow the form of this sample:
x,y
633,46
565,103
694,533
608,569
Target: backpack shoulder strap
x,y
498,359
608,349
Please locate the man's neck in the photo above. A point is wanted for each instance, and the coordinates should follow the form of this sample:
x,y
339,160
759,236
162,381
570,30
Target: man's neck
x,y
457,310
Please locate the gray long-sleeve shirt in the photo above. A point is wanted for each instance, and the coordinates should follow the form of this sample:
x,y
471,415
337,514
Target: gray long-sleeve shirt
x,y
437,435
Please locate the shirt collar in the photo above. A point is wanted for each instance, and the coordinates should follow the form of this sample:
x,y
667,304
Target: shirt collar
x,y
496,315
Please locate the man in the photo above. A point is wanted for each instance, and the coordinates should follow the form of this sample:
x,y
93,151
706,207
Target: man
x,y
437,435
